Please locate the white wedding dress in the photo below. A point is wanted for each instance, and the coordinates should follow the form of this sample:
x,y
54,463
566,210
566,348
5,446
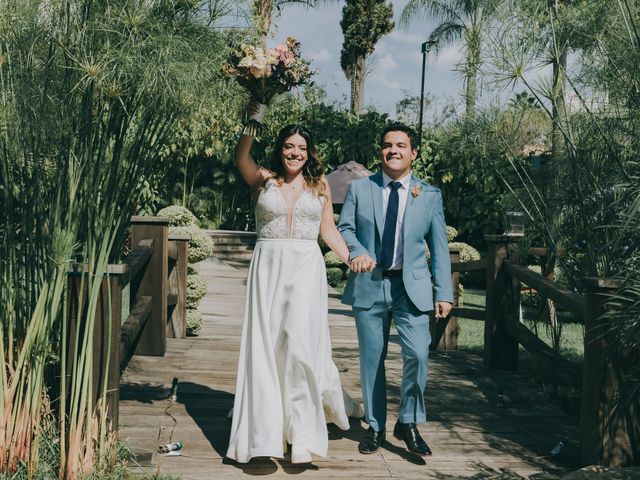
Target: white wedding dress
x,y
288,387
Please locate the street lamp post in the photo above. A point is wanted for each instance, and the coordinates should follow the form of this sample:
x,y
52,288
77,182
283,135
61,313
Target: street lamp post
x,y
426,46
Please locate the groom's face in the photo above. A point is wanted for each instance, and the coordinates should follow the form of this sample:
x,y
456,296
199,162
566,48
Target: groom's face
x,y
396,154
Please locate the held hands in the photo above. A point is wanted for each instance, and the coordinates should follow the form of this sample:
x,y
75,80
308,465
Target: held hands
x,y
363,263
442,309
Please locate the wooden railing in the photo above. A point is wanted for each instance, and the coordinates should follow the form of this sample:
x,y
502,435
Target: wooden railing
x,y
142,302
606,438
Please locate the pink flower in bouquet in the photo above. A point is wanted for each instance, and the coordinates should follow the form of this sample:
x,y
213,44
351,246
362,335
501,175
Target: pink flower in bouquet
x,y
284,55
268,72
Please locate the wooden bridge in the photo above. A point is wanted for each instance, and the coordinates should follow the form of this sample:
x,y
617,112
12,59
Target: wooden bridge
x,y
485,419
482,424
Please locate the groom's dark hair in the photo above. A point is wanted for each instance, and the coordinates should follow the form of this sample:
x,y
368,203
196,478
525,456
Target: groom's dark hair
x,y
401,127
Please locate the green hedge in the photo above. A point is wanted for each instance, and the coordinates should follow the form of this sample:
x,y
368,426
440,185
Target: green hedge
x,y
334,275
194,321
200,244
179,216
196,289
331,260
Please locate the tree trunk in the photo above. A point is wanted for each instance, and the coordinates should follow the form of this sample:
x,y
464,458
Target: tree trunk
x,y
357,85
473,64
470,95
262,10
558,114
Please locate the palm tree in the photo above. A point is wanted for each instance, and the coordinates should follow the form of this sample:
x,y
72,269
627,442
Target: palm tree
x,y
262,12
459,19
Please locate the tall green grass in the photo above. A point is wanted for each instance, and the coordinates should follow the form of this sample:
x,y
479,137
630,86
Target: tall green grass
x,y
89,92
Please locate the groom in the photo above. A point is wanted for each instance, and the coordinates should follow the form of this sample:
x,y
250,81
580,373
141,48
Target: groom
x,y
387,220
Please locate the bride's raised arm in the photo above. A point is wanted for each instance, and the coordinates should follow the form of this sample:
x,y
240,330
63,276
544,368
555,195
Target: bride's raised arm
x,y
328,230
250,171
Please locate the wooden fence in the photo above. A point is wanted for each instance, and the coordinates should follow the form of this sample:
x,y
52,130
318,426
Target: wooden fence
x,y
608,437
142,302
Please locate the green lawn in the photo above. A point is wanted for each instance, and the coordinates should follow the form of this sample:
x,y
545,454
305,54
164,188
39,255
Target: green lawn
x,y
471,334
471,337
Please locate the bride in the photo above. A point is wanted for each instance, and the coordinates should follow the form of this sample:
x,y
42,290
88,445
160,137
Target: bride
x,y
288,387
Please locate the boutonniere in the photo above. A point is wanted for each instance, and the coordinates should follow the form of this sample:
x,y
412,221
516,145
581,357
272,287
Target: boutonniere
x,y
416,191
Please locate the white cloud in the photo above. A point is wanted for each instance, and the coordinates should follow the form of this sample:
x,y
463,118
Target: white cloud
x,y
385,64
447,56
322,55
411,56
396,62
381,78
405,37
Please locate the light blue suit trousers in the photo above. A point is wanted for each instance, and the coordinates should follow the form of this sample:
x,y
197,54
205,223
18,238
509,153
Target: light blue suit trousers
x,y
406,299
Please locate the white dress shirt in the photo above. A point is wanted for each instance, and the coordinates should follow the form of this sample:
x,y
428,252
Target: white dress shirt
x,y
403,193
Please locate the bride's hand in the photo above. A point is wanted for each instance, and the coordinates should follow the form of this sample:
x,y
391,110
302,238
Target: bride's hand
x,y
256,111
363,263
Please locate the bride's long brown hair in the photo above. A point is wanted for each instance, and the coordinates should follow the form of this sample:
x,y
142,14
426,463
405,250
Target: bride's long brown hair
x,y
313,169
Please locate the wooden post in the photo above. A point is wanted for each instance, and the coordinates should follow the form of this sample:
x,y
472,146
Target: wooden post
x,y
502,305
606,436
107,341
179,259
153,283
105,335
445,330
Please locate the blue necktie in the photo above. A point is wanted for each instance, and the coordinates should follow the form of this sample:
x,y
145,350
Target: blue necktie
x,y
389,233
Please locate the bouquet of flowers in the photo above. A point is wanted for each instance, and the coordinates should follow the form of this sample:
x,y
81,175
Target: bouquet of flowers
x,y
265,72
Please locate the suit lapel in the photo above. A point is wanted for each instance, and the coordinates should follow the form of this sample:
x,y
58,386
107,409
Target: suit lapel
x,y
376,197
408,217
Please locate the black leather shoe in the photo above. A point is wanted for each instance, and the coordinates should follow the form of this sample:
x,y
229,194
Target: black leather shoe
x,y
408,432
371,441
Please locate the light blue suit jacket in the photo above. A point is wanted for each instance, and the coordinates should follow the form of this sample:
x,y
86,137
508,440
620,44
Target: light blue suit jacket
x,y
362,223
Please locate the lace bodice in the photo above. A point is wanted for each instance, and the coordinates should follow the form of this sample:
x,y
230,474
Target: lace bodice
x,y
271,215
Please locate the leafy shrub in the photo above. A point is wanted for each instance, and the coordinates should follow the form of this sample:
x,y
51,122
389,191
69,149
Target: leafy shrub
x,y
340,135
196,289
472,158
334,275
200,244
468,254
179,216
194,321
452,233
331,260
323,245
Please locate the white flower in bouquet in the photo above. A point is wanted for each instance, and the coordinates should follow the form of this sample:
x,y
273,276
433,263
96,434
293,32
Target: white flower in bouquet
x,y
266,73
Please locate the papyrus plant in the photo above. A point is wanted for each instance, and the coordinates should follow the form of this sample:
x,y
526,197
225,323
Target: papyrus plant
x,y
89,91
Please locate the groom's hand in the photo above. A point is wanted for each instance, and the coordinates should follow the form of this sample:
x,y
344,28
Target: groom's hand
x,y
442,309
363,263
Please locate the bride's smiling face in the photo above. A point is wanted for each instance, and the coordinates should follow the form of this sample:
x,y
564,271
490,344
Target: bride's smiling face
x,y
294,154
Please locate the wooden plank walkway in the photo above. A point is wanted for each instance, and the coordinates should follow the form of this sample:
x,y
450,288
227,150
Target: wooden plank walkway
x,y
482,424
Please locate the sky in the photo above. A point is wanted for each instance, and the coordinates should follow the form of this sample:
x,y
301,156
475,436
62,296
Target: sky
x,y
395,65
